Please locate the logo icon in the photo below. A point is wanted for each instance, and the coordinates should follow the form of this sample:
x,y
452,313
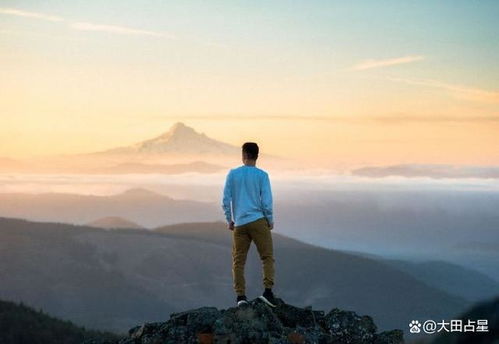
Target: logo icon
x,y
414,326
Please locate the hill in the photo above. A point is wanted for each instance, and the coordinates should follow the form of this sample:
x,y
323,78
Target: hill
x,y
454,279
116,279
111,222
451,278
22,324
138,205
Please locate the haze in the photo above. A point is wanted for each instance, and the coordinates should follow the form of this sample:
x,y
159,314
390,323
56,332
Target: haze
x,y
334,83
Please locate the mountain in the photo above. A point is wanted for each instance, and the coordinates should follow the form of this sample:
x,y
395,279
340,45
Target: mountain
x,y
180,139
258,323
454,224
22,324
138,205
181,149
111,222
116,279
183,145
451,278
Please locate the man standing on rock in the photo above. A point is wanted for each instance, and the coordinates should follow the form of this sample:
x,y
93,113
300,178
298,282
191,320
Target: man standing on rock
x,y
247,189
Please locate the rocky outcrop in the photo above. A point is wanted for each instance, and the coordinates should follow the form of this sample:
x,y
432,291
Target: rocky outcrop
x,y
257,323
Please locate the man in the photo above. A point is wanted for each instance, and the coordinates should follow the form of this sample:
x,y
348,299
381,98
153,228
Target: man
x,y
247,189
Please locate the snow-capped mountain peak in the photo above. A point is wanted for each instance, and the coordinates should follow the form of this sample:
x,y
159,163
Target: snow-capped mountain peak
x,y
179,139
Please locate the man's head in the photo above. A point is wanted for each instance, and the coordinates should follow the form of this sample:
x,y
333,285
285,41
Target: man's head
x,y
250,151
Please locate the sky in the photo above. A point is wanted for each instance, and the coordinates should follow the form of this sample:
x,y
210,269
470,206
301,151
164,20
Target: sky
x,y
360,83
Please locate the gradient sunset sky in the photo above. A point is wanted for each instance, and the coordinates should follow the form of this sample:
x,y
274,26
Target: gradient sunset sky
x,y
364,82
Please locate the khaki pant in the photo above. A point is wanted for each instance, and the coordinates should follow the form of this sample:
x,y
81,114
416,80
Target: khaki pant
x,y
259,232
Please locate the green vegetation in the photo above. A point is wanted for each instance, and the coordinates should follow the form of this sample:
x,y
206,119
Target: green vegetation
x,y
20,324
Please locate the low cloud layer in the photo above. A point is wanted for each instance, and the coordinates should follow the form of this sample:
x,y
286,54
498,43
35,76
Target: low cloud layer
x,y
431,171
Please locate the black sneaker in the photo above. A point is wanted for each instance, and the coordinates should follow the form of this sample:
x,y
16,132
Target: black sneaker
x,y
241,300
268,298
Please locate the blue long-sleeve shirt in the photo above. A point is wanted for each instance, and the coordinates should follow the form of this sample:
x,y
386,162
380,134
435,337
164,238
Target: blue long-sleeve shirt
x,y
247,189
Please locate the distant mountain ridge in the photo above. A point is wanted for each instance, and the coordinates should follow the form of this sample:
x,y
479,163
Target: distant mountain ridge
x,y
115,279
111,222
139,205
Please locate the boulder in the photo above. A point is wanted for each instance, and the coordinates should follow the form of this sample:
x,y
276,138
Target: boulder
x,y
257,323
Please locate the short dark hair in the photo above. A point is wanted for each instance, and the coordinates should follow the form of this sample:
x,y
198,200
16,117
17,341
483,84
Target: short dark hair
x,y
251,149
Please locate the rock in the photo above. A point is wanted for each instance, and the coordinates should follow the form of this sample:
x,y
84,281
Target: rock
x,y
257,323
389,337
347,327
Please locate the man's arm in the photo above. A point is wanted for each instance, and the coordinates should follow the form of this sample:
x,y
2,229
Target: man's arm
x,y
266,194
226,201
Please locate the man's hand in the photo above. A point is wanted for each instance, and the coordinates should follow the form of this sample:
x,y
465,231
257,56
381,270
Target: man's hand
x,y
271,224
230,226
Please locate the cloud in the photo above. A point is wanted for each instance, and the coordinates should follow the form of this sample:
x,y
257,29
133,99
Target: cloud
x,y
460,91
429,170
21,13
371,64
87,26
122,30
434,119
397,118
